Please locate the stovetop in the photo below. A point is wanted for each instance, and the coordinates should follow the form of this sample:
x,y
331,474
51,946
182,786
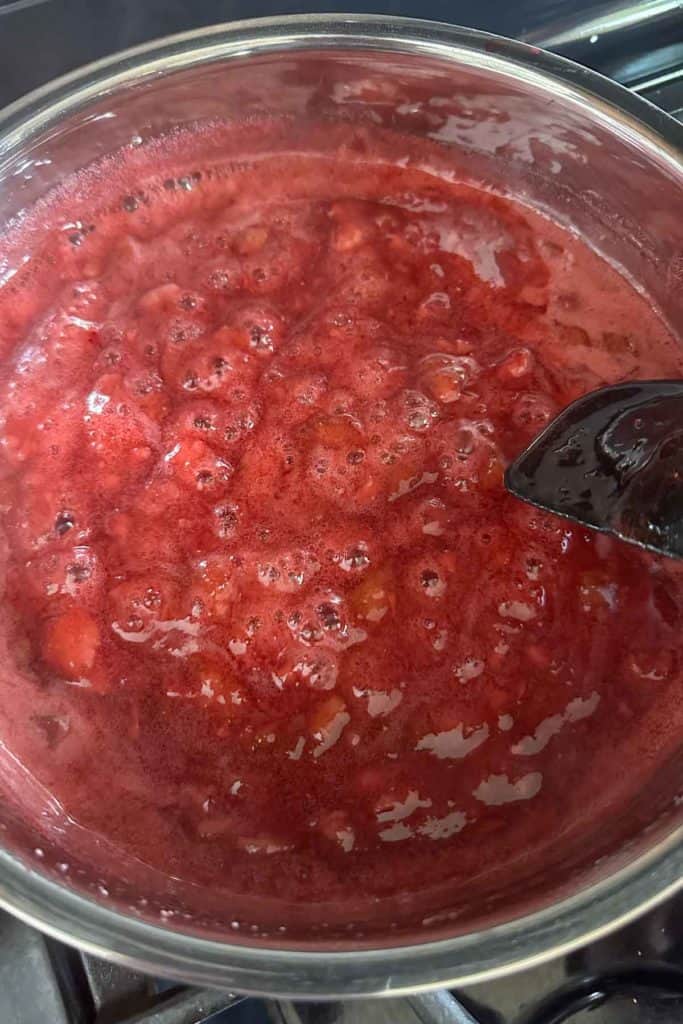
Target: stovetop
x,y
639,43
634,976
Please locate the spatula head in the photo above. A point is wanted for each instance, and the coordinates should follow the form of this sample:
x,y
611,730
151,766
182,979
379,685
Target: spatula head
x,y
613,461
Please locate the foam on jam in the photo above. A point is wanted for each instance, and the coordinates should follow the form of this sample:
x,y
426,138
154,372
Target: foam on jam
x,y
270,622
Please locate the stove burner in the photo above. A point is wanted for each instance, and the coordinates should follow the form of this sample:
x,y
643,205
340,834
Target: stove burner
x,y
653,988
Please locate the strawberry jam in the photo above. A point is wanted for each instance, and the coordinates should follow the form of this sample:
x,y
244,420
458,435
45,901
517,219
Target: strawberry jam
x,y
270,622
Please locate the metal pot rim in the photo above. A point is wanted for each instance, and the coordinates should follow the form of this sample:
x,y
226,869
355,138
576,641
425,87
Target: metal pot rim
x,y
522,942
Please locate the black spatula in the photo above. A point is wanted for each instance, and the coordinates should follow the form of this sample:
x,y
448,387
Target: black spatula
x,y
613,460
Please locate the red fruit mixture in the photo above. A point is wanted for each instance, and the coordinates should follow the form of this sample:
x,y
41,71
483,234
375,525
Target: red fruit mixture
x,y
272,623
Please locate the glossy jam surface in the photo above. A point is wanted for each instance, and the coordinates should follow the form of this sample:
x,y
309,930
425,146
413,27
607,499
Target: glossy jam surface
x,y
270,622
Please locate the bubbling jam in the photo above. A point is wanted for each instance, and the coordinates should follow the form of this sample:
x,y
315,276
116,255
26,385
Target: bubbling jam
x,y
271,623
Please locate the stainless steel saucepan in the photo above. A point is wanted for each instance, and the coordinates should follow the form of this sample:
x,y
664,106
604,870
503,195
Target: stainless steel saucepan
x,y
542,128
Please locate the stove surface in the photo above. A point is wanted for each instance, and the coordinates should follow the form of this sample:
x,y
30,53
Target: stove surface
x,y
639,42
634,976
69,33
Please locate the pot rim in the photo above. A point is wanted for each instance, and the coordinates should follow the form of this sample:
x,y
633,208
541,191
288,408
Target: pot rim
x,y
525,941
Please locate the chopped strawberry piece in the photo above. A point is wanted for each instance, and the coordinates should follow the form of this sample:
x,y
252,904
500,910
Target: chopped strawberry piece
x,y
70,643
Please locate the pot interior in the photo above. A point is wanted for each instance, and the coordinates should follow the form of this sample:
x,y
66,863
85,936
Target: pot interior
x,y
502,125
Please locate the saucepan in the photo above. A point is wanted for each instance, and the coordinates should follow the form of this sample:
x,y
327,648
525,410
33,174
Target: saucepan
x,y
556,135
